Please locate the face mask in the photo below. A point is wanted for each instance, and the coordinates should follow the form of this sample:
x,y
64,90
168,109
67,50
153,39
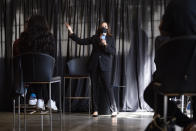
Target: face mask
x,y
103,30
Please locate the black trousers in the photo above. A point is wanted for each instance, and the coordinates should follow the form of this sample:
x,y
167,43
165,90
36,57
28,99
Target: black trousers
x,y
102,78
149,96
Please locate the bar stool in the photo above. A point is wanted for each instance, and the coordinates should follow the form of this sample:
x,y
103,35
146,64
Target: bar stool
x,y
35,68
77,71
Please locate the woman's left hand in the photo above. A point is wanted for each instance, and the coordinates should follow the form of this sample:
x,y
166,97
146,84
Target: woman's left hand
x,y
69,28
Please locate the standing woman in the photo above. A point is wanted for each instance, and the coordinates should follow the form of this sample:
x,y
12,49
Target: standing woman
x,y
100,64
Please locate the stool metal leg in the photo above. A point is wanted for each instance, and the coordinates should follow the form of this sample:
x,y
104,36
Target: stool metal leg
x,y
60,104
70,95
165,111
118,93
64,95
89,104
182,103
19,128
50,110
14,115
25,110
60,96
42,123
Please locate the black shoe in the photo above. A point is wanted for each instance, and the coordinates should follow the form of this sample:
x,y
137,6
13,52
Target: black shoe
x,y
190,127
157,124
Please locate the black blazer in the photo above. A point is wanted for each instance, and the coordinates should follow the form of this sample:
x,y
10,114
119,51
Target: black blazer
x,y
101,55
175,64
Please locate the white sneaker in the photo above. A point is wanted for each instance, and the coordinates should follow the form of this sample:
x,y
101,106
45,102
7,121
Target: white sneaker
x,y
40,104
32,99
114,114
52,105
32,102
95,114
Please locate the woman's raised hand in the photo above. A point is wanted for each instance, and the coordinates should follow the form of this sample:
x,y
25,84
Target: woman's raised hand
x,y
69,28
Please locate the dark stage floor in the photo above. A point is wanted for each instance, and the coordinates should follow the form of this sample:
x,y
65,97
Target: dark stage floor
x,y
125,121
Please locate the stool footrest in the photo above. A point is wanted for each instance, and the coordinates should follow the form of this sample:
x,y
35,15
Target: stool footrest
x,y
77,97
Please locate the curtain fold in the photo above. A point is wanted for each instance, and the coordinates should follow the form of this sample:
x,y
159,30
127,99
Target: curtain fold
x,y
134,25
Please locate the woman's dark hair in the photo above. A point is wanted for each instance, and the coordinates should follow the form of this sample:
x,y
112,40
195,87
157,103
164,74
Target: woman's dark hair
x,y
37,22
100,28
37,37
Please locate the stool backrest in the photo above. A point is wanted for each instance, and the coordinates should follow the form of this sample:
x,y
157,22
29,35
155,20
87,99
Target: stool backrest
x,y
37,67
78,66
176,64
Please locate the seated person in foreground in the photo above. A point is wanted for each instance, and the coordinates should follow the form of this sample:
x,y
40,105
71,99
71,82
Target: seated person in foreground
x,y
179,20
37,38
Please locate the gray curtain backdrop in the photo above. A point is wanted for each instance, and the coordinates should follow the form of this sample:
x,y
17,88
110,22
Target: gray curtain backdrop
x,y
134,25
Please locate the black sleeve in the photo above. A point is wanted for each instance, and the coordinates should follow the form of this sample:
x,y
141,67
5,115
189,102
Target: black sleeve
x,y
54,44
80,41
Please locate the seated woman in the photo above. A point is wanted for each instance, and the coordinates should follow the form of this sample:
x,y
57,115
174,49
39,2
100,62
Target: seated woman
x,y
37,38
179,20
